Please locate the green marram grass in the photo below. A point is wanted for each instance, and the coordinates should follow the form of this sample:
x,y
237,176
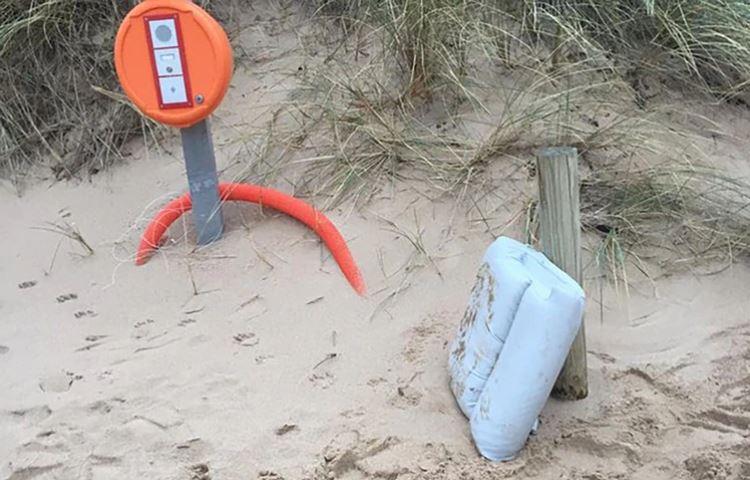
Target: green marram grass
x,y
528,69
681,39
52,52
565,58
707,40
683,216
55,70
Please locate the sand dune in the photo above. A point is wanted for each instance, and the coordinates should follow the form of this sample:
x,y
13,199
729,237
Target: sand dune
x,y
253,358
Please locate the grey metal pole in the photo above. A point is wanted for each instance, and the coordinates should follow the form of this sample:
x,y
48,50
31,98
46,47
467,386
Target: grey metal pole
x,y
200,164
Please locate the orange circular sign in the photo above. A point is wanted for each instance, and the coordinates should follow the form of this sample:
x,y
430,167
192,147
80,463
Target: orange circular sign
x,y
173,60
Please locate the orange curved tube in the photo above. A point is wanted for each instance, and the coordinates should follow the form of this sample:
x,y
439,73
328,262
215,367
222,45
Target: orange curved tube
x,y
265,197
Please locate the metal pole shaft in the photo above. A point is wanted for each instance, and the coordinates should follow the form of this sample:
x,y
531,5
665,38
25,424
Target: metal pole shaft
x,y
200,164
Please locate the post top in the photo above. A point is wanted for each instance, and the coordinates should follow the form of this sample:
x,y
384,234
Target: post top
x,y
558,151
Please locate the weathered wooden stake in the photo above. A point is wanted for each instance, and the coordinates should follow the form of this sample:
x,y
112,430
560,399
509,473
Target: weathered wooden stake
x,y
560,235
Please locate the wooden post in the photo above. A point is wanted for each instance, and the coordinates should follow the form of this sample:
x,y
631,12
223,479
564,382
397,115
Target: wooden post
x,y
560,235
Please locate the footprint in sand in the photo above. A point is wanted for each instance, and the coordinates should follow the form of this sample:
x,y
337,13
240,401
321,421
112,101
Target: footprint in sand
x,y
286,428
101,407
406,396
614,451
322,380
66,297
341,458
4,349
269,475
93,341
142,323
246,339
353,413
27,284
261,359
374,382
199,471
58,382
84,313
706,466
33,471
427,338
142,328
743,469
31,415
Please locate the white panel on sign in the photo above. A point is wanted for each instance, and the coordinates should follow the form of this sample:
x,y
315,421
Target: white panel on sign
x,y
163,33
173,90
168,62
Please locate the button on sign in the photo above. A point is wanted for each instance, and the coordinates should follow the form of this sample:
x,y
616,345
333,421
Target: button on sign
x,y
167,53
172,90
168,62
163,33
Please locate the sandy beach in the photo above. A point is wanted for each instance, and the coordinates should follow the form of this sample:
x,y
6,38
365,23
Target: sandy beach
x,y
252,358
